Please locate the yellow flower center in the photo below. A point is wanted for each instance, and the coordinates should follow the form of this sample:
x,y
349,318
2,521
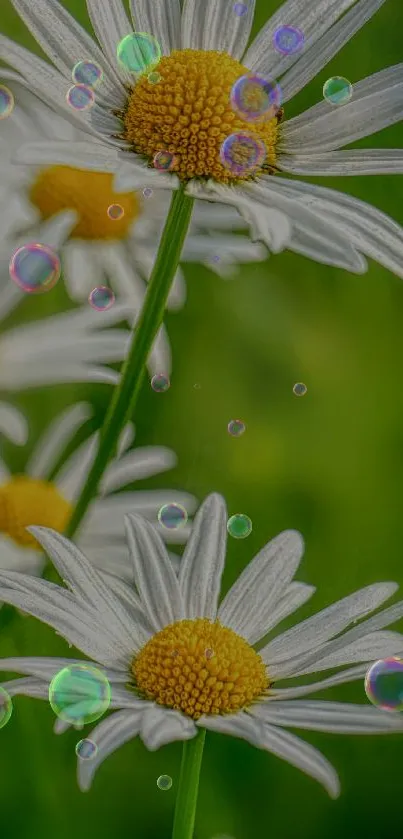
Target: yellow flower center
x,y
25,501
188,113
199,667
60,188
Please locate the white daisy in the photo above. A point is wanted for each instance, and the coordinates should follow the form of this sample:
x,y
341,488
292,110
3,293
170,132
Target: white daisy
x,y
177,660
13,424
204,51
46,492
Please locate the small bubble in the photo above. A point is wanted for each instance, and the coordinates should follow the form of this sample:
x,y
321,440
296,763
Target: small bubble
x,y
35,268
242,153
254,98
384,684
6,102
239,526
174,653
160,382
86,749
164,782
288,40
138,51
240,9
147,192
6,707
299,389
87,73
101,298
115,212
164,161
337,90
197,386
236,428
154,77
79,694
80,97
209,653
172,516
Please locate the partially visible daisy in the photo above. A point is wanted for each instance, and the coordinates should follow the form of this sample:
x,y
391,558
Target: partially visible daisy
x,y
40,495
176,660
189,114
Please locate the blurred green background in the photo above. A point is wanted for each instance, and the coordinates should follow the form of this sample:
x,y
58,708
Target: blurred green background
x,y
329,463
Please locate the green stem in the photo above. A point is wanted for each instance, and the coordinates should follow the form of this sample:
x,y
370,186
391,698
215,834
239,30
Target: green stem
x,y
125,396
186,800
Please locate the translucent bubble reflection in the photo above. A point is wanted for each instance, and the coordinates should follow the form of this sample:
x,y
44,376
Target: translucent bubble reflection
x,y
164,161
242,153
240,9
115,212
239,526
101,298
255,98
337,90
172,516
80,97
288,40
87,73
35,268
86,749
236,428
6,707
6,102
147,192
299,389
79,694
138,51
160,382
384,684
164,782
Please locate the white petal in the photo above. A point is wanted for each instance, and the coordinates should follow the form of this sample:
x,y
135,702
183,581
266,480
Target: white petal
x,y
372,647
203,560
294,597
105,517
57,435
126,439
341,678
46,667
337,717
15,214
13,557
134,174
108,736
160,726
214,25
137,465
352,162
73,474
10,295
110,24
56,230
261,584
161,18
26,687
13,424
88,155
315,246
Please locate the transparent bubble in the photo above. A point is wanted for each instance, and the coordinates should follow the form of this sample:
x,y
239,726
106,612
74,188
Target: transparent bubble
x,y
239,526
35,268
115,212
87,73
208,653
79,694
164,782
160,382
242,153
101,298
197,386
80,97
154,77
337,90
255,98
164,161
6,102
86,749
138,51
236,428
240,9
288,40
384,684
6,707
172,516
299,389
147,192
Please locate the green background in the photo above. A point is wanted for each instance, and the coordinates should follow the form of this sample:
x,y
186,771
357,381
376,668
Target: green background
x,y
329,463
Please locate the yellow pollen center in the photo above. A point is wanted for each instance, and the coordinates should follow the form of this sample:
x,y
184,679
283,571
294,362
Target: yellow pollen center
x,y
25,501
199,667
189,114
60,188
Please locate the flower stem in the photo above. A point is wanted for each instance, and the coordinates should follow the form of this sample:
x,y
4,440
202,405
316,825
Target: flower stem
x,y
186,800
125,395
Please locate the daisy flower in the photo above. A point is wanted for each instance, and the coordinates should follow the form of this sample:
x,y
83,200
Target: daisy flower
x,y
46,492
178,662
188,113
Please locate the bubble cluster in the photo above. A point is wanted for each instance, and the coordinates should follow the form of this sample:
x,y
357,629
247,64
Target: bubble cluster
x,y
79,694
6,707
172,516
236,428
115,212
6,102
160,382
164,161
86,749
288,40
80,97
138,51
239,526
164,782
242,153
101,298
154,77
35,268
87,73
299,389
254,98
384,684
240,9
337,90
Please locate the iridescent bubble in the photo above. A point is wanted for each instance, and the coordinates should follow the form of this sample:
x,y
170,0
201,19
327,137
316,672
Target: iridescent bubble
x,y
255,98
86,749
138,51
288,40
337,90
147,192
164,161
87,73
384,684
6,102
299,389
240,9
160,382
164,782
115,212
79,694
154,77
236,428
6,707
208,653
80,97
172,516
239,526
35,268
242,153
101,298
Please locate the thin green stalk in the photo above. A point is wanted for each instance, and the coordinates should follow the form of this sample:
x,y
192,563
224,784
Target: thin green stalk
x,y
186,800
125,396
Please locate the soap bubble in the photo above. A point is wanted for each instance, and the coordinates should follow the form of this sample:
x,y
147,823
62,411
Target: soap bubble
x,y
236,428
6,707
337,90
80,97
115,212
288,40
160,382
101,298
35,268
164,782
384,684
87,73
86,749
6,102
299,389
242,153
239,526
172,516
138,51
255,98
79,694
164,161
